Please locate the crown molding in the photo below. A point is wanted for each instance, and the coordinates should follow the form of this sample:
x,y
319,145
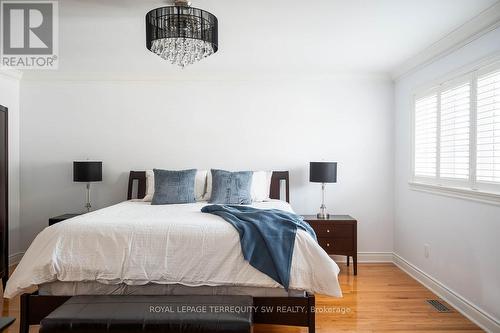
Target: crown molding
x,y
308,75
486,21
10,73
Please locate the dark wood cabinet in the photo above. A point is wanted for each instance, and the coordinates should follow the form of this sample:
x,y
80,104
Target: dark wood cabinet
x,y
4,197
57,219
337,235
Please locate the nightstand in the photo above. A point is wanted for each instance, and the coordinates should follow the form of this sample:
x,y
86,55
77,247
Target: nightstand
x,y
56,219
337,235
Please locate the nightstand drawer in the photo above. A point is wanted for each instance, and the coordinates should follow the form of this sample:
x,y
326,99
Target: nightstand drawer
x,y
325,229
338,245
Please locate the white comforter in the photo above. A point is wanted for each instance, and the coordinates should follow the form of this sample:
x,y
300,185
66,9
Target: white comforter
x,y
137,243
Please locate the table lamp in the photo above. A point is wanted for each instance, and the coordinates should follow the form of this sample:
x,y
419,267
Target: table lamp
x,y
87,172
323,172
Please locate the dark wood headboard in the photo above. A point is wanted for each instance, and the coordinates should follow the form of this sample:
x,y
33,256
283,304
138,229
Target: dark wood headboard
x,y
274,193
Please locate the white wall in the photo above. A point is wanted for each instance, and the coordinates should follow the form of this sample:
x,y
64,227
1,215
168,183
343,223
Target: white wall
x,y
278,124
9,97
463,235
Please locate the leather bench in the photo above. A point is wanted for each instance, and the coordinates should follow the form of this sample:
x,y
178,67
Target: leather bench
x,y
230,314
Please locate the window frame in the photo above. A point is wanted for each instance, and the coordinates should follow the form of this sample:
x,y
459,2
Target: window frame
x,y
470,188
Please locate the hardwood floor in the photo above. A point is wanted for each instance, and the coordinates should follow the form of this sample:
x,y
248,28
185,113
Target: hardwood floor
x,y
381,298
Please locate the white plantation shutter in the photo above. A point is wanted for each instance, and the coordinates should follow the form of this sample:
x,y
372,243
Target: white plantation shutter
x,y
426,136
454,132
457,135
488,128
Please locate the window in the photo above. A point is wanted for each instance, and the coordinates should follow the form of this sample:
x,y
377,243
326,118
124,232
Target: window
x,y
425,136
454,132
456,128
488,128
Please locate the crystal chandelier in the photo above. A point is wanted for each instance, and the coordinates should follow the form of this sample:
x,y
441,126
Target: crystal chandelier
x,y
181,34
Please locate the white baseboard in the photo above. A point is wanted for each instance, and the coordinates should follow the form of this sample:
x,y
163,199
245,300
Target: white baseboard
x,y
15,258
367,257
469,310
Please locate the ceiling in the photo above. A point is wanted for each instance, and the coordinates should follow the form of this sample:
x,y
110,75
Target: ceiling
x,y
373,36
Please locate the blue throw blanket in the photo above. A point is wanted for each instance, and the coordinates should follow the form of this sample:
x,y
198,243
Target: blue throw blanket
x,y
267,237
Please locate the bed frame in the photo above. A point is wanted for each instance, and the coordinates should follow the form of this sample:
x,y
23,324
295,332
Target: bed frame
x,y
35,307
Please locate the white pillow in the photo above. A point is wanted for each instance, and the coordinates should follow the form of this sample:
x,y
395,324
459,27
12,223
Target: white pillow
x,y
150,185
261,185
208,192
199,185
260,189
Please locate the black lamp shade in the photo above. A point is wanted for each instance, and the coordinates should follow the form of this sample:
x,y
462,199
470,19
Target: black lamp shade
x,y
87,171
323,172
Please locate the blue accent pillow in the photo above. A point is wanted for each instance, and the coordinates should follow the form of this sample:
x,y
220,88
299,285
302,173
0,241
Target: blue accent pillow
x,y
231,187
174,187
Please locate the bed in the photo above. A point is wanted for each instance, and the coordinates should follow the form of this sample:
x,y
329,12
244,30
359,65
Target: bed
x,y
136,248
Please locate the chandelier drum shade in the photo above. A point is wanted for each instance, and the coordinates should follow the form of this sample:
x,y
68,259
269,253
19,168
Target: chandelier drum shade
x,y
181,34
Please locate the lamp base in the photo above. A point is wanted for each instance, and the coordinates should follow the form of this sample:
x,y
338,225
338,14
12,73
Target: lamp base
x,y
88,206
323,216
